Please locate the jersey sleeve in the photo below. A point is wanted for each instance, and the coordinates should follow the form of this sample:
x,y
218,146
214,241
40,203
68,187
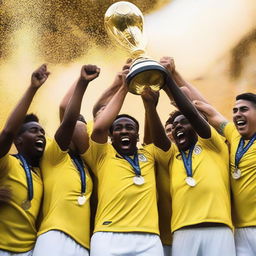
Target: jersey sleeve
x,y
53,153
216,142
229,131
95,154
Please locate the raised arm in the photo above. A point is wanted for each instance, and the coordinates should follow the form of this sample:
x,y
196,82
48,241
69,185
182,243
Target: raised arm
x,y
157,131
64,133
189,111
216,119
110,91
18,114
189,90
66,99
104,121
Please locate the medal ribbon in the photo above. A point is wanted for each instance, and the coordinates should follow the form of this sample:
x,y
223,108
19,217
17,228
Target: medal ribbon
x,y
134,163
79,165
187,161
241,150
28,175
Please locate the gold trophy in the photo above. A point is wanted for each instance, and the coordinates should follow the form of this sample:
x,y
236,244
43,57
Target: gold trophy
x,y
124,23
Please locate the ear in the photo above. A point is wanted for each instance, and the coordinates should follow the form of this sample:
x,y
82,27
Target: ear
x,y
138,137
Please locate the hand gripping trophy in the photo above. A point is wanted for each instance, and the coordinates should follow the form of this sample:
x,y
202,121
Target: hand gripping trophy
x,y
124,24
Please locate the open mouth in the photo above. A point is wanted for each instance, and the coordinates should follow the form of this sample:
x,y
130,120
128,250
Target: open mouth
x,y
40,143
240,123
125,141
180,136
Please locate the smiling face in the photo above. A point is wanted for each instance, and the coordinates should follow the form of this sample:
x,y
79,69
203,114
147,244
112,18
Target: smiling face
x,y
124,135
244,118
183,133
31,142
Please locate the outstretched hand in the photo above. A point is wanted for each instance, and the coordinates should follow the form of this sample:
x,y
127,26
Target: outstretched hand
x,y
125,71
39,76
168,63
89,72
150,96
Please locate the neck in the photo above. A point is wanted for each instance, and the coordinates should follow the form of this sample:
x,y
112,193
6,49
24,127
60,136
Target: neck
x,y
32,161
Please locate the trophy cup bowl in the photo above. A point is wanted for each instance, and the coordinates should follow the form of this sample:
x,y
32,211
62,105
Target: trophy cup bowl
x,y
124,24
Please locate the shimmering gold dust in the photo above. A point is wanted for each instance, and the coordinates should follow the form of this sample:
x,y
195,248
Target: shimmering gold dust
x,y
63,29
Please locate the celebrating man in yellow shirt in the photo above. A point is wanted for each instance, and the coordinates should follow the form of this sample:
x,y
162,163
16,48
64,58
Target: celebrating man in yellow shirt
x,y
126,220
241,135
18,216
201,214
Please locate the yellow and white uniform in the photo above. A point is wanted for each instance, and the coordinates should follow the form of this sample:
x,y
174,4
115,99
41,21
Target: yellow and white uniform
x,y
62,187
244,188
209,200
243,194
122,205
18,226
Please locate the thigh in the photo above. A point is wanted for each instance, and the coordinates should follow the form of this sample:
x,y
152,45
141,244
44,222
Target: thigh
x,y
245,241
125,244
57,243
218,241
186,242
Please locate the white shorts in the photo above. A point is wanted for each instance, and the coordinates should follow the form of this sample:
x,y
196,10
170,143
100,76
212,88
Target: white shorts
x,y
6,253
125,244
245,241
167,250
57,243
205,241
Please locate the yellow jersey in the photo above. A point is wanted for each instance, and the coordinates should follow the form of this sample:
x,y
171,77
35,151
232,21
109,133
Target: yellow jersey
x,y
244,188
18,226
209,199
62,187
122,205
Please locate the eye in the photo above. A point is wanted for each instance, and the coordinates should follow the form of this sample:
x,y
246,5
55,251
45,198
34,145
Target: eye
x,y
33,129
117,128
234,110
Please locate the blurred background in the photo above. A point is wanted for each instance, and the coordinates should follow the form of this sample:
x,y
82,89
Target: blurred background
x,y
213,43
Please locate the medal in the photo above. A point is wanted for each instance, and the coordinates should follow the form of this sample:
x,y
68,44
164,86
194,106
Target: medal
x,y
187,161
26,204
190,181
138,180
80,167
81,200
241,150
236,174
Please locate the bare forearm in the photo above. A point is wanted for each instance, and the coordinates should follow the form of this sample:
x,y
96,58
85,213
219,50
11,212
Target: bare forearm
x,y
65,100
64,134
157,132
188,109
107,117
15,121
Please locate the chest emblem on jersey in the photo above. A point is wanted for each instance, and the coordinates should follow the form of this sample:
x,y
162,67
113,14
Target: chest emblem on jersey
x,y
142,158
197,150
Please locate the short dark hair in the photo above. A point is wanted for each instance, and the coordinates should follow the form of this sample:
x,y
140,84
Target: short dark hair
x,y
172,116
247,96
28,118
124,116
31,118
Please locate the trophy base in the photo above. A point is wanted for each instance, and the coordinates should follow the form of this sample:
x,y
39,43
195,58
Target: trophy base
x,y
146,72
